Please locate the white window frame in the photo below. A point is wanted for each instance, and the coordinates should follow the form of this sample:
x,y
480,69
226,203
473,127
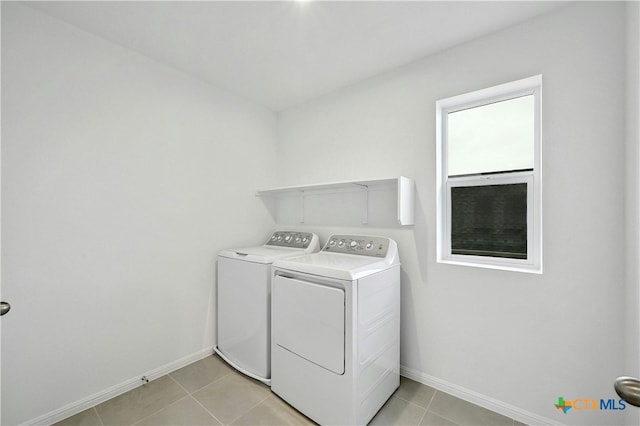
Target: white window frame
x,y
533,179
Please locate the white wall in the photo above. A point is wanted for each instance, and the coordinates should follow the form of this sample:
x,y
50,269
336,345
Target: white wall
x,y
632,361
514,342
121,179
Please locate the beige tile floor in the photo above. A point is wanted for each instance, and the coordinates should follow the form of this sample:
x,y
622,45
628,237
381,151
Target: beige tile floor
x,y
208,392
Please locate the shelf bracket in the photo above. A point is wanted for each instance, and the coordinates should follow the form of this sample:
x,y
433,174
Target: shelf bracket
x,y
364,216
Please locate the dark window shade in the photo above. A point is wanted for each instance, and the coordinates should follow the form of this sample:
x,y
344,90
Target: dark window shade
x,y
489,220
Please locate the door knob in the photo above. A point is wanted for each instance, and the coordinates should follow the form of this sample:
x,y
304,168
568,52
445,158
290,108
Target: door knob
x,y
629,389
4,308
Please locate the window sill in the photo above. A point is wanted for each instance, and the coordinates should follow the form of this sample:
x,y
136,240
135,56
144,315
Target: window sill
x,y
503,266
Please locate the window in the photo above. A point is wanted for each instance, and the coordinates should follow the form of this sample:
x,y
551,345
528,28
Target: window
x,y
489,177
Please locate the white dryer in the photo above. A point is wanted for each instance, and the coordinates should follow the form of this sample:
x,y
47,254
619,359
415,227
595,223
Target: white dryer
x,y
335,348
244,300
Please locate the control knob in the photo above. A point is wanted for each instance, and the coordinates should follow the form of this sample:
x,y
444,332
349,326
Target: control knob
x,y
341,243
369,245
353,244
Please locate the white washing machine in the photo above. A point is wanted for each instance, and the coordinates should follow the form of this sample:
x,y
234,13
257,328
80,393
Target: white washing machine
x,y
335,347
244,300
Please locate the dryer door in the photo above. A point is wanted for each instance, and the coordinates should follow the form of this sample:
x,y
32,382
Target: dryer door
x,y
308,320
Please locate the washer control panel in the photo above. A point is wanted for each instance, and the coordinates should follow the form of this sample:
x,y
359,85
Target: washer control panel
x,y
357,244
290,239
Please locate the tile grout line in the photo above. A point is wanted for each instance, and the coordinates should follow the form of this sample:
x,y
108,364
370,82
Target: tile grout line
x,y
190,395
131,423
98,414
474,405
431,400
200,388
254,406
407,401
422,418
205,409
413,403
165,407
156,412
437,414
178,383
291,407
426,409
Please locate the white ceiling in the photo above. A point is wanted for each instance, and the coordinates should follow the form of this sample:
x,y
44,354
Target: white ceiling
x,y
281,53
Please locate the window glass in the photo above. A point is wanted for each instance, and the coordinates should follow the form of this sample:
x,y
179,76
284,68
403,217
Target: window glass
x,y
489,220
491,138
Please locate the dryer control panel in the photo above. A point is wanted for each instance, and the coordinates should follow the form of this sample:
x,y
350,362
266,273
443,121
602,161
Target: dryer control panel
x,y
358,244
291,239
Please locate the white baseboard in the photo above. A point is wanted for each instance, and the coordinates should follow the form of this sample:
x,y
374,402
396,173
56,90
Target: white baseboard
x,y
102,396
477,398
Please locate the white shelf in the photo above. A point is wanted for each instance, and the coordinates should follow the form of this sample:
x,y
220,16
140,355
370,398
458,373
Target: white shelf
x,y
327,186
404,185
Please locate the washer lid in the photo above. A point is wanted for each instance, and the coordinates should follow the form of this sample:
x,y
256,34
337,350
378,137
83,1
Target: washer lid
x,y
346,257
261,254
281,244
335,265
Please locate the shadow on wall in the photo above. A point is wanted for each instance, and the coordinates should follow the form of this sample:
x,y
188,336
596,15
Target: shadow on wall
x,y
408,326
421,238
212,312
